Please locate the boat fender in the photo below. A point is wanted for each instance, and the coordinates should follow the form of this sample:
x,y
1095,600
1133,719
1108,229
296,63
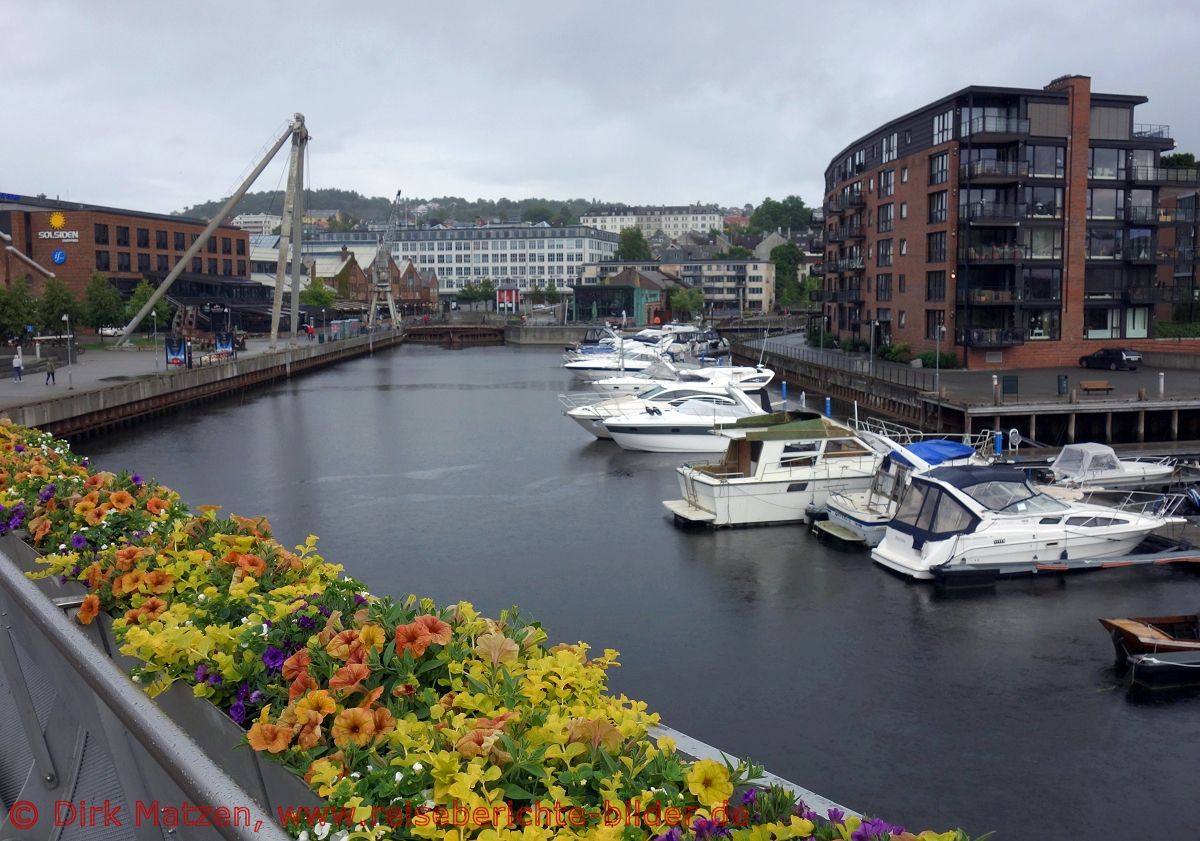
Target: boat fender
x,y
1194,497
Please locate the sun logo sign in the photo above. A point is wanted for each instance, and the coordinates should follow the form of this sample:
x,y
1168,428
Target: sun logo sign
x,y
58,220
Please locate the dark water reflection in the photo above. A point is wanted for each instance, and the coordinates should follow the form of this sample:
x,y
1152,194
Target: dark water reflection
x,y
453,475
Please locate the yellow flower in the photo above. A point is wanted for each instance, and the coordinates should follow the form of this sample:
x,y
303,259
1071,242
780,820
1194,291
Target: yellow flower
x,y
709,781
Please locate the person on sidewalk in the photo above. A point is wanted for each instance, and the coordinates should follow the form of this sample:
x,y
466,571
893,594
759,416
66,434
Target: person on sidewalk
x,y
51,365
18,363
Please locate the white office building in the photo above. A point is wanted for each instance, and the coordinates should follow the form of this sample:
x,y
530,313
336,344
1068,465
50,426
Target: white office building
x,y
672,221
257,223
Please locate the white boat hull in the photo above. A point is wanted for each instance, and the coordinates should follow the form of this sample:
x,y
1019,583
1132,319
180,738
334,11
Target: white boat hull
x,y
868,525
699,441
750,501
594,425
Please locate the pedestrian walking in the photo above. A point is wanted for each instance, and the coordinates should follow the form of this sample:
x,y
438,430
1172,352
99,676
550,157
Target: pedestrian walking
x,y
51,365
18,364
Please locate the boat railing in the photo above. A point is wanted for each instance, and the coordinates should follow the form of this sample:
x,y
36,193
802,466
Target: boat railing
x,y
982,442
1145,503
579,399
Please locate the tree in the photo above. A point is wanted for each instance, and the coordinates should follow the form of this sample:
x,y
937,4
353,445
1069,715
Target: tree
x,y
318,295
141,294
487,293
553,296
56,302
632,245
18,307
687,302
537,213
1178,160
789,214
787,258
734,252
102,304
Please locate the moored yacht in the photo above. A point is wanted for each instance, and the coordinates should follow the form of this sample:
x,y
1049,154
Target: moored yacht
x,y
983,522
743,376
688,427
590,410
1096,466
772,473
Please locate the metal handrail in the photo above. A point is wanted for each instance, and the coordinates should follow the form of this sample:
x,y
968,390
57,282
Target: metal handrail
x,y
198,777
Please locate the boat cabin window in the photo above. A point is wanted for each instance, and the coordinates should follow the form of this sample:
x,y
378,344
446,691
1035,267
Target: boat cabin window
x,y
714,399
651,393
928,512
1012,497
844,447
797,455
951,517
677,397
1094,522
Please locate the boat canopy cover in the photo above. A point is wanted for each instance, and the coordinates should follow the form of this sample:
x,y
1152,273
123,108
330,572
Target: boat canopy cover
x,y
1082,459
968,475
935,451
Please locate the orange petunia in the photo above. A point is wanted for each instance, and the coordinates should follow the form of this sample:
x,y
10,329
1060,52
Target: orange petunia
x,y
93,498
82,507
343,645
412,637
353,727
438,630
269,737
349,677
156,506
95,576
89,609
98,480
39,470
385,722
128,583
150,610
300,685
158,581
318,701
130,555
121,500
41,530
251,565
95,516
296,664
257,526
309,735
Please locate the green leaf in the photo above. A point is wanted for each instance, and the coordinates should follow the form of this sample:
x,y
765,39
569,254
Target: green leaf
x,y
516,792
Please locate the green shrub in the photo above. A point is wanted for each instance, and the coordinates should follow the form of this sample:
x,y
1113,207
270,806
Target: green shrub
x,y
929,359
895,353
816,338
1177,330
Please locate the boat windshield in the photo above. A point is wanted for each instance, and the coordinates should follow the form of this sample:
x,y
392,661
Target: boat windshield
x,y
1012,497
651,393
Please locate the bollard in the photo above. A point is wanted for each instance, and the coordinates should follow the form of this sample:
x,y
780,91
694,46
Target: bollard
x,y
803,400
828,407
1162,377
784,386
999,442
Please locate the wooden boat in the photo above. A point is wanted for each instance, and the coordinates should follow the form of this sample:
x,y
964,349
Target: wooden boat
x,y
1153,635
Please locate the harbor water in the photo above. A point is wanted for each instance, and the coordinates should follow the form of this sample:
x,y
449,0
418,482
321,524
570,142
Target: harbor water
x,y
453,474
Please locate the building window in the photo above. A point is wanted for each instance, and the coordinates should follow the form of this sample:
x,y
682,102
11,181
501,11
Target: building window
x,y
241,248
1105,204
179,241
935,286
227,267
160,240
1044,202
903,247
1042,243
143,237
885,218
887,183
939,168
226,245
903,210
123,257
212,265
900,284
241,267
122,237
937,207
162,263
1045,161
102,257
883,253
883,287
943,128
903,318
212,245
197,265
935,248
1106,164
100,234
935,325
143,260
889,148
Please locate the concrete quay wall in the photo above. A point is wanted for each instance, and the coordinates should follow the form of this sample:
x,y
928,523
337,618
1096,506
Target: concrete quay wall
x,y
558,335
83,412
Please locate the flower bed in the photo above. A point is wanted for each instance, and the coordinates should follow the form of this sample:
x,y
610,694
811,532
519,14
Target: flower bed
x,y
410,719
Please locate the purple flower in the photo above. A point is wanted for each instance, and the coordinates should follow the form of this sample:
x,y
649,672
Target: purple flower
x,y
708,829
749,796
46,493
672,834
273,658
836,815
872,828
15,522
243,691
78,541
84,462
325,611
214,679
75,570
137,480
62,579
237,711
20,448
256,697
306,623
359,600
201,673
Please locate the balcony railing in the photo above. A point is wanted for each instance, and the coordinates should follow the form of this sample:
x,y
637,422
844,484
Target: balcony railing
x,y
997,125
1188,176
998,295
837,204
994,170
851,295
817,295
835,235
850,264
857,199
993,212
990,337
1152,131
853,232
999,253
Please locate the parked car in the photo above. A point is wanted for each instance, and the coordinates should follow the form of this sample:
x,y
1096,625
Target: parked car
x,y
1112,358
110,331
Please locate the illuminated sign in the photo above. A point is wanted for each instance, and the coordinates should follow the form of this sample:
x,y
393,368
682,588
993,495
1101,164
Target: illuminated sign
x,y
59,256
9,197
65,236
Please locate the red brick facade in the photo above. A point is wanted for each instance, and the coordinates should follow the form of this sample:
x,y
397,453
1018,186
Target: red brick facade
x,y
114,243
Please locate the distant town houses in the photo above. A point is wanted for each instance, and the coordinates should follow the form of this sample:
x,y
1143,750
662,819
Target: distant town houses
x,y
672,221
257,223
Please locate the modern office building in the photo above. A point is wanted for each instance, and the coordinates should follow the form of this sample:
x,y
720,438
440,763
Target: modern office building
x,y
1014,227
74,240
257,224
672,221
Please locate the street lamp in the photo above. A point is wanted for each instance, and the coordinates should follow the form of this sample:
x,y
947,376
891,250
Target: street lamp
x,y
939,331
871,351
324,332
67,318
154,313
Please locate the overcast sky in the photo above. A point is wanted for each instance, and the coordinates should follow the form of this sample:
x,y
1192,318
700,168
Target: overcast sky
x,y
156,106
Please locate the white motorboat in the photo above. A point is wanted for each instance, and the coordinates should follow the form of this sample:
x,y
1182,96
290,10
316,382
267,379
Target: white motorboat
x,y
983,522
600,366
1095,466
865,513
590,410
688,427
743,376
771,474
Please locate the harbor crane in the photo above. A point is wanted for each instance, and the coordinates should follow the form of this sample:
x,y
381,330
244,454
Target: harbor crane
x,y
290,230
381,286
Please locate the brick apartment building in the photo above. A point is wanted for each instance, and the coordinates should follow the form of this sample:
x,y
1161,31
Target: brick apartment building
x,y
1014,227
74,240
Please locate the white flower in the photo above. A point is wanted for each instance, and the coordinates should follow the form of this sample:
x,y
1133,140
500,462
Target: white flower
x,y
303,836
429,804
105,546
399,776
370,767
201,597
355,775
418,767
62,547
341,835
321,830
136,679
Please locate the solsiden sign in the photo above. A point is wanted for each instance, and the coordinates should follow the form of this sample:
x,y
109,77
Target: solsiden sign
x,y
58,221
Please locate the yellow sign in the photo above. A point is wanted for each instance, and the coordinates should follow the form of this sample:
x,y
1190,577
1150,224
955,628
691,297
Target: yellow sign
x,y
58,220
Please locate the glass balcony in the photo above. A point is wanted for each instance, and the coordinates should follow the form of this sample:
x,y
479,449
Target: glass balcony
x,y
1004,295
850,264
1151,131
857,199
853,232
990,337
993,171
836,235
991,213
1187,176
1001,126
848,296
995,253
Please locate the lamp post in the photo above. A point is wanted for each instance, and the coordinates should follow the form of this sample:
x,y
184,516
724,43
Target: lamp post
x,y
324,332
871,351
939,331
154,312
67,318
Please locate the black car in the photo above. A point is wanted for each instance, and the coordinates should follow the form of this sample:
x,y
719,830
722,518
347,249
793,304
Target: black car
x,y
1112,358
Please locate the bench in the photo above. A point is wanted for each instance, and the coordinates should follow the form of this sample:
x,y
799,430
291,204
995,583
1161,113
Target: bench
x,y
1089,386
